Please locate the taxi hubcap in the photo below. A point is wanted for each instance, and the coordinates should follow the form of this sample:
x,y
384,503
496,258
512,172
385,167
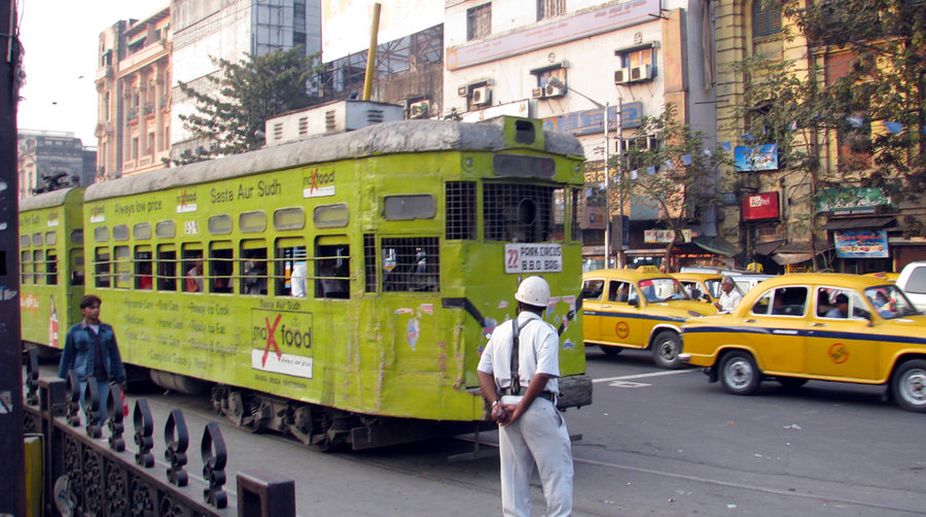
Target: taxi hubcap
x,y
667,349
739,373
914,387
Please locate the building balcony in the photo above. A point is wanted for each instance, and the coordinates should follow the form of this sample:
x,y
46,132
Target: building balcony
x,y
104,72
131,115
149,109
146,56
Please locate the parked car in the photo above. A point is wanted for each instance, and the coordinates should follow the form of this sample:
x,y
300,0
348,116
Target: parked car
x,y
821,326
912,280
700,286
637,308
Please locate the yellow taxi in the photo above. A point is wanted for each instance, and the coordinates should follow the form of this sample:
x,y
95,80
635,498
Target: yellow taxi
x,y
642,308
821,326
887,276
700,286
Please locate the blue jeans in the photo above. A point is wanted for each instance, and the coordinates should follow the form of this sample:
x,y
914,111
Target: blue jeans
x,y
102,388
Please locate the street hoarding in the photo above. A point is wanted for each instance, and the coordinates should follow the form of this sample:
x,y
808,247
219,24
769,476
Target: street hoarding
x,y
761,206
851,201
755,158
861,243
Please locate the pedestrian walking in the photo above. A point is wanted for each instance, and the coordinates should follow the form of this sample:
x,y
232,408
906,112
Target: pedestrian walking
x,y
531,430
90,350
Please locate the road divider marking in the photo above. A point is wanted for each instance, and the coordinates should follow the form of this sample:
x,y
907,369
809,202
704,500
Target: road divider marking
x,y
642,376
628,384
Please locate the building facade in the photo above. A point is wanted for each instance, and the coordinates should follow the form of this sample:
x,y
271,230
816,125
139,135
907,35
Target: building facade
x,y
207,29
49,160
133,83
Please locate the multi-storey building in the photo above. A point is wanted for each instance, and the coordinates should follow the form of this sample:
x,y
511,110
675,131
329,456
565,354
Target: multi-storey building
x,y
564,62
133,84
49,160
207,29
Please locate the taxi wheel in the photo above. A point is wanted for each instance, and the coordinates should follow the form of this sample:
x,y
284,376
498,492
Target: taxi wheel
x,y
666,348
909,385
610,351
739,374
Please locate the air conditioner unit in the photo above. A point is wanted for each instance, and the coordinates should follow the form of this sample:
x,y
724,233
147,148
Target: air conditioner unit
x,y
481,96
420,109
537,93
622,76
554,91
641,73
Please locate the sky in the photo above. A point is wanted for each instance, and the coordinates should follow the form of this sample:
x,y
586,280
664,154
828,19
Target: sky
x,y
60,39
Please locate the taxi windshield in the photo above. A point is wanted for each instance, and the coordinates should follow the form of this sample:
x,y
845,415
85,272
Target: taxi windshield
x,y
662,290
890,302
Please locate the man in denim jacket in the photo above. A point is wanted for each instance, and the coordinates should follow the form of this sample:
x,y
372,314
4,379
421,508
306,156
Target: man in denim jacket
x,y
90,350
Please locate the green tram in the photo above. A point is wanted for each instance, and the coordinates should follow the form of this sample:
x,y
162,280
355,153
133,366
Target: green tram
x,y
340,288
51,257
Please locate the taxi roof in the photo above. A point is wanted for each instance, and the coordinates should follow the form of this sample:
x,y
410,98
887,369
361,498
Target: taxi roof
x,y
829,279
633,275
690,275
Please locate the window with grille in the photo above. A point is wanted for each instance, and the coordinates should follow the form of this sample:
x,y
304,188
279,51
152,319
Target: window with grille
x,y
479,21
461,210
766,18
411,264
101,269
518,213
369,263
550,8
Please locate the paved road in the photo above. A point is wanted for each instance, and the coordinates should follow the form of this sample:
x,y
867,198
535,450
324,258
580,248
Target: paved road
x,y
655,442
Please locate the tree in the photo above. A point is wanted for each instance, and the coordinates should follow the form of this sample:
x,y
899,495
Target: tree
x,y
673,167
243,95
871,110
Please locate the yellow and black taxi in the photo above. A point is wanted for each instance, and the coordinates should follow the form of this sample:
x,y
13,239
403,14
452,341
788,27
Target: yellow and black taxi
x,y
821,326
700,286
637,308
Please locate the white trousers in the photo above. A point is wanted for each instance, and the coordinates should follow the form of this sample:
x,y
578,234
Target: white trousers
x,y
538,437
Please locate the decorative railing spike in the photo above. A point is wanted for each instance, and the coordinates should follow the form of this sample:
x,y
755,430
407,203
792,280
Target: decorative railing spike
x,y
215,456
178,439
144,429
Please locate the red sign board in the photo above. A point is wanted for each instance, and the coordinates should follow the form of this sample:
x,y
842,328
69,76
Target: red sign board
x,y
763,205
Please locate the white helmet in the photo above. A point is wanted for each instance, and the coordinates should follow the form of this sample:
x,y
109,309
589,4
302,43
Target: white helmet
x,y
533,290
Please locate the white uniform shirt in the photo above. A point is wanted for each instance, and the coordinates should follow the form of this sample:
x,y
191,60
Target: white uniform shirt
x,y
728,302
538,352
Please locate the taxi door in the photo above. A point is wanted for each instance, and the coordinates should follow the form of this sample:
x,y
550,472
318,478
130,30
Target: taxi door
x,y
840,345
775,327
592,292
621,324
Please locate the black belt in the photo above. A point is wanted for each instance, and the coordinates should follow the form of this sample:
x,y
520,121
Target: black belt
x,y
549,395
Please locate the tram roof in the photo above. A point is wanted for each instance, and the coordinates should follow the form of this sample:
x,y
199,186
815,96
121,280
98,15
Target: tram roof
x,y
46,200
381,139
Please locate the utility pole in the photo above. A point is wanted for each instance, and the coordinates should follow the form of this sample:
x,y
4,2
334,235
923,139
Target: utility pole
x,y
13,464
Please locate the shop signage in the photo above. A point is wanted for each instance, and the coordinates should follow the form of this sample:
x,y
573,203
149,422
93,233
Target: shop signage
x,y
851,201
590,122
758,158
515,109
664,236
761,206
861,244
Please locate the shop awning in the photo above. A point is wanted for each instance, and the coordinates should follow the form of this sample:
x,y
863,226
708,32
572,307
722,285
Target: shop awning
x,y
767,248
716,245
857,223
797,252
784,259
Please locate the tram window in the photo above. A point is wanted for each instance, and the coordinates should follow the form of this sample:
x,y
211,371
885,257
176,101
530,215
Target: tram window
x,y
290,270
167,268
289,218
123,267
38,263
369,263
559,214
517,213
331,216
576,234
253,265
143,268
77,267
220,267
192,270
36,239
101,234
220,224
141,231
51,267
101,268
252,222
25,267
165,229
411,264
461,209
77,237
407,208
24,241
332,268
51,238
121,232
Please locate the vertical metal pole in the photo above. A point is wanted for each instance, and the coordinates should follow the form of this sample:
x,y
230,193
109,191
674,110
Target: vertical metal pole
x,y
13,465
607,187
620,180
371,53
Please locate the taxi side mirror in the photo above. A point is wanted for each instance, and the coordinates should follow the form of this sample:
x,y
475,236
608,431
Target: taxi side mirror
x,y
635,302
